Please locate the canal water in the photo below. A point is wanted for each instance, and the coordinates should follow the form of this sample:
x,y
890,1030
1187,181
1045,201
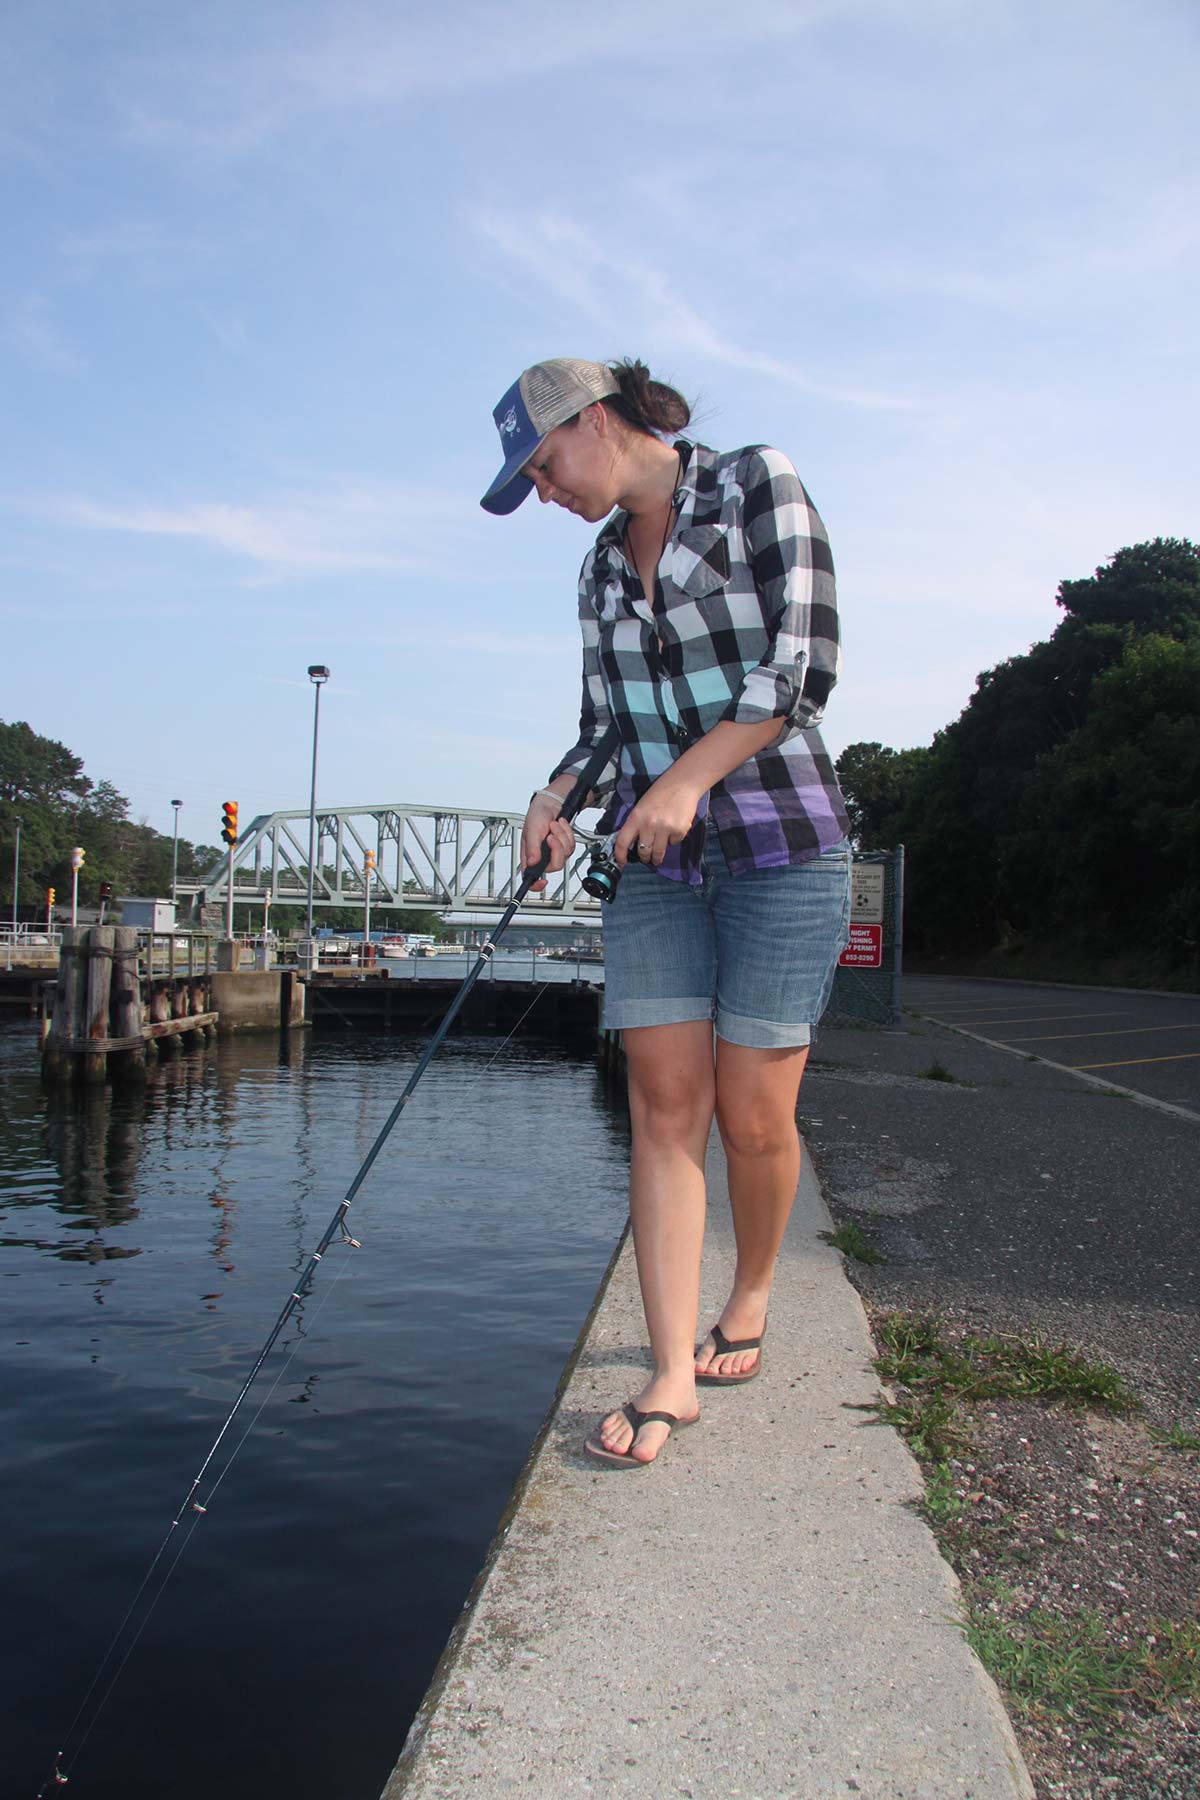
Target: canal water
x,y
146,1246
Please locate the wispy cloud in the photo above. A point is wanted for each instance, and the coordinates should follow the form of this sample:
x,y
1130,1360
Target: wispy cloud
x,y
32,329
379,56
612,287
363,529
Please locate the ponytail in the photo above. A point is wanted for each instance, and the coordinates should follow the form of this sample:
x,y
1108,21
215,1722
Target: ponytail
x,y
645,404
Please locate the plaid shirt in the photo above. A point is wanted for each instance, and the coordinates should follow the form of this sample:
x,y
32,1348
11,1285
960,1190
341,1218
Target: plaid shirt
x,y
743,626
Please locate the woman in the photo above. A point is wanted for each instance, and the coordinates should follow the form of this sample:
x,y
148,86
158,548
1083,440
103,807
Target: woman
x,y
710,641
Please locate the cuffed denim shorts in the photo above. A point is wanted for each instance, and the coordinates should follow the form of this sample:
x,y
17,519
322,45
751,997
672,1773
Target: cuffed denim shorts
x,y
756,953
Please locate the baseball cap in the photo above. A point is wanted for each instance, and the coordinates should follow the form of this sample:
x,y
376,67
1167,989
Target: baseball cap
x,y
545,396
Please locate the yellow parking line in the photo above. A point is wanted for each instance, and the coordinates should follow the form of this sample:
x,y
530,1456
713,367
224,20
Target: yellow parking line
x,y
1061,1037
1188,1056
1054,1018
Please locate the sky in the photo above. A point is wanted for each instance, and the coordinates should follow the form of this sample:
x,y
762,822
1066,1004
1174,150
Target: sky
x,y
267,270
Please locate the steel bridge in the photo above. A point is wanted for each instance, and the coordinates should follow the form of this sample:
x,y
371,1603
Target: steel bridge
x,y
445,857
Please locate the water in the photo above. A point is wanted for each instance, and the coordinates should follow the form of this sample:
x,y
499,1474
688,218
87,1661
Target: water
x,y
146,1246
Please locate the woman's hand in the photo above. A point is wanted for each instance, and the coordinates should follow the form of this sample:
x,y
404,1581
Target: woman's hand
x,y
542,823
663,816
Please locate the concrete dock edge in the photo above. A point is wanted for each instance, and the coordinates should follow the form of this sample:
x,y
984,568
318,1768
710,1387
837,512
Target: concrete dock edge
x,y
761,1615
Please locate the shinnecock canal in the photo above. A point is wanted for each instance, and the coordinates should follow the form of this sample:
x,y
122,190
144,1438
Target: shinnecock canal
x,y
149,1239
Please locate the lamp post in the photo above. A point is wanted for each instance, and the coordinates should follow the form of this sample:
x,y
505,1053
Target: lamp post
x,y
175,852
16,876
318,674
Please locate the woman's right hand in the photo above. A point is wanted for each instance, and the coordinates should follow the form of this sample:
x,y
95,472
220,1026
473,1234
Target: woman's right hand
x,y
541,823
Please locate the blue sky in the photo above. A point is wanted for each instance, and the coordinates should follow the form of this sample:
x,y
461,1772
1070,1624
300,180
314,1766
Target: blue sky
x,y
267,270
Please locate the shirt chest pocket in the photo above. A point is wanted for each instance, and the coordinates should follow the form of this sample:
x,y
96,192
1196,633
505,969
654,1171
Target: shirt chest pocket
x,y
700,561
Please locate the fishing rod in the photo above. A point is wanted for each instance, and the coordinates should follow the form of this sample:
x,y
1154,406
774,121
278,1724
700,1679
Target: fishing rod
x,y
597,881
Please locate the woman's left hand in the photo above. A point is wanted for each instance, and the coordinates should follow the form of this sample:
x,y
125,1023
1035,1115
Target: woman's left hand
x,y
663,816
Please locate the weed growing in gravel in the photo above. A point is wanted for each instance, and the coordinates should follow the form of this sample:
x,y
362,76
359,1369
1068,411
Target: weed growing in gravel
x,y
1067,1669
917,1355
851,1242
938,1072
931,1426
1175,1437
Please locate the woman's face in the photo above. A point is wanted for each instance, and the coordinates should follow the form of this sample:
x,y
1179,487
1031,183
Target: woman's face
x,y
576,467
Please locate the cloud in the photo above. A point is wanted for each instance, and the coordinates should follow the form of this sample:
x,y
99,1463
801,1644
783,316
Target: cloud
x,y
360,529
612,287
380,56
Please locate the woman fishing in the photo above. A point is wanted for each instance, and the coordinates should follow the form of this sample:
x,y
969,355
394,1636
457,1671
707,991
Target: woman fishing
x,y
710,643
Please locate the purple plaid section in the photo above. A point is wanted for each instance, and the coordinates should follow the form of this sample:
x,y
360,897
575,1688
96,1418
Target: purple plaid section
x,y
742,625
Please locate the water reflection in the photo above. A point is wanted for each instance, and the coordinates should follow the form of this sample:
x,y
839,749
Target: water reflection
x,y
153,1237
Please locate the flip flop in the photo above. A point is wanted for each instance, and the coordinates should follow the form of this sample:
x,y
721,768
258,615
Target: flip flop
x,y
725,1346
622,1460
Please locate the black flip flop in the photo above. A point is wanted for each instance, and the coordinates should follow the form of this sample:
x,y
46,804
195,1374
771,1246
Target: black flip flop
x,y
725,1346
622,1460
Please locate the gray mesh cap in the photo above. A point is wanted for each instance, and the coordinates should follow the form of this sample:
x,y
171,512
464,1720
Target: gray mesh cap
x,y
545,396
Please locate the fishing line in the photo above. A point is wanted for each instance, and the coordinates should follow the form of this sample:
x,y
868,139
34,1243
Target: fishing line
x,y
192,1508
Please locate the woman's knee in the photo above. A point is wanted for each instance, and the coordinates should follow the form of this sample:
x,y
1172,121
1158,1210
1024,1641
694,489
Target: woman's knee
x,y
750,1128
670,1109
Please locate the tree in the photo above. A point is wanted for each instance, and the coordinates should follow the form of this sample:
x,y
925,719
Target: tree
x,y
1150,587
876,783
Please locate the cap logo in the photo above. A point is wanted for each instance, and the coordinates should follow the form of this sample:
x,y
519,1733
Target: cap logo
x,y
509,422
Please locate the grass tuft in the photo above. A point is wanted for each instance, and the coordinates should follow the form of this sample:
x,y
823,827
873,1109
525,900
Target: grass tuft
x,y
917,1354
1066,1670
1174,1437
938,1072
851,1242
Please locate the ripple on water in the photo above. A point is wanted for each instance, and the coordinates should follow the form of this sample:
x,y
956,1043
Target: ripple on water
x,y
146,1245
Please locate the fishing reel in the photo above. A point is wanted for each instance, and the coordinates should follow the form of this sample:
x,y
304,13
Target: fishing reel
x,y
603,874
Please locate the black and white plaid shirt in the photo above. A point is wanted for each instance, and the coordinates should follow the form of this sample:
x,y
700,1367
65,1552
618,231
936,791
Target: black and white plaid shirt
x,y
742,625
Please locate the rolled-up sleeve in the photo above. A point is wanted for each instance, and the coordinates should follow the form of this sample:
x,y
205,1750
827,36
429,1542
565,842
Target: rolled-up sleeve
x,y
793,573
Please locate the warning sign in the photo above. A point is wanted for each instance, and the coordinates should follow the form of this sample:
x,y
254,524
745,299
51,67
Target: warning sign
x,y
865,949
866,894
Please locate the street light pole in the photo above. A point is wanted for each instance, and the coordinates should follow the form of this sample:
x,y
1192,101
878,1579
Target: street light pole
x,y
16,877
175,852
318,674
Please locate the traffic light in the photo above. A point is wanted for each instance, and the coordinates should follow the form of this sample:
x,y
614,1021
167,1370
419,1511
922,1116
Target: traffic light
x,y
369,859
49,896
229,821
106,890
77,856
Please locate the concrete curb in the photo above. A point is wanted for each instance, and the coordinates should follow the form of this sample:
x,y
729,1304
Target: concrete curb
x,y
761,1615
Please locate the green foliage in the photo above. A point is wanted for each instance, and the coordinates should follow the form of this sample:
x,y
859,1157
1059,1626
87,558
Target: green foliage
x,y
876,783
1063,804
849,1239
42,783
1068,1671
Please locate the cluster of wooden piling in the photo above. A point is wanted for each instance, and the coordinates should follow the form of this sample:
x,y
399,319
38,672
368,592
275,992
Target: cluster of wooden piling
x,y
108,1019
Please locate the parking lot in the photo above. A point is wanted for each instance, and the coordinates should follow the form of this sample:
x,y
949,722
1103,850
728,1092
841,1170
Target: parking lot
x,y
1149,1043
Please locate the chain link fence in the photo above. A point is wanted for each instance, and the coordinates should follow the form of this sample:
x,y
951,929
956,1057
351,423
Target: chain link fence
x,y
866,987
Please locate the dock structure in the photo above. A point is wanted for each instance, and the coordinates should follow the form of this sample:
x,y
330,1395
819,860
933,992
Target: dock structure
x,y
123,998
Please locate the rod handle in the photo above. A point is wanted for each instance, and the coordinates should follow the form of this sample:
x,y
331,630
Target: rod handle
x,y
576,797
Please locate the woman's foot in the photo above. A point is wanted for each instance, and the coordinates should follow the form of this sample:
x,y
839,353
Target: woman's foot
x,y
739,1321
617,1435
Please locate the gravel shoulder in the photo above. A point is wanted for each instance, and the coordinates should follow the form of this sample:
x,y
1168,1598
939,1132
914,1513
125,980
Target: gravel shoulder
x,y
1012,1200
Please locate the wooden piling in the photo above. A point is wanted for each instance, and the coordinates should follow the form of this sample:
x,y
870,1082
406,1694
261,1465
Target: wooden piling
x,y
127,1065
57,1062
99,988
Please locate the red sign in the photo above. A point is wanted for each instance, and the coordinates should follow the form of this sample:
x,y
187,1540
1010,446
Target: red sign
x,y
865,949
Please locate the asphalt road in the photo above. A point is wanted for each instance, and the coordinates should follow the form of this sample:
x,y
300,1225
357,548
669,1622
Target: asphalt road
x,y
1149,1043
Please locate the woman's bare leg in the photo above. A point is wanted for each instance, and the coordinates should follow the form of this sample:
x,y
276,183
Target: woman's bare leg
x,y
756,1113
671,1099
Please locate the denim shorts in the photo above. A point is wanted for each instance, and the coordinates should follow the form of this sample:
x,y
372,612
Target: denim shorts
x,y
755,953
